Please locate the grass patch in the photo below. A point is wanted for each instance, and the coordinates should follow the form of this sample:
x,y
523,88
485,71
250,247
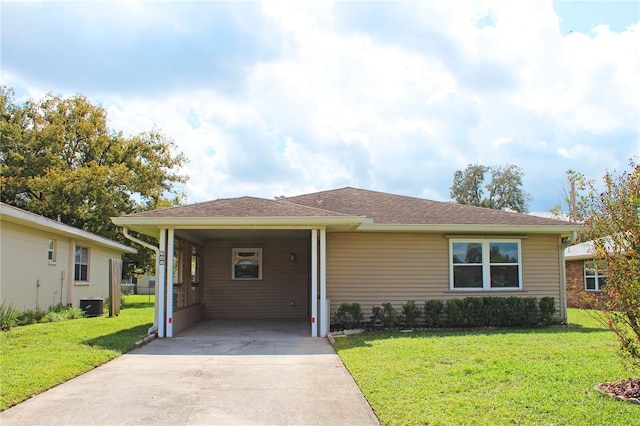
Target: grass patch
x,y
37,357
543,376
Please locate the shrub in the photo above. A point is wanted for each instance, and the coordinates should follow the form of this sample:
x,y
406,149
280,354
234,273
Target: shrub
x,y
474,311
377,315
74,313
432,311
349,315
389,315
512,316
530,311
454,311
53,316
8,315
411,312
547,307
30,317
385,315
495,311
60,313
492,312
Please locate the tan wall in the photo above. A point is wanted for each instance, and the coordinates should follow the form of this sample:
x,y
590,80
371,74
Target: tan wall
x,y
373,268
185,318
283,283
24,262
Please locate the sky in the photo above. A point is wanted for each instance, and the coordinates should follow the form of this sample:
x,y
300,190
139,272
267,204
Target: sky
x,y
284,98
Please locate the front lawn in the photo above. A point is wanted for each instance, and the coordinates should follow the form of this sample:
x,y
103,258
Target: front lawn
x,y
37,357
483,377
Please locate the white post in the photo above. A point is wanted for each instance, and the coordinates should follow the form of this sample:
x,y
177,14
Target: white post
x,y
323,283
314,282
170,273
160,281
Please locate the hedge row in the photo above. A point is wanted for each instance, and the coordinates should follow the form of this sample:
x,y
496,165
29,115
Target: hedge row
x,y
454,313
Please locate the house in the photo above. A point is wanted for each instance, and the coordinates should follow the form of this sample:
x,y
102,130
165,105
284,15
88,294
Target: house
x,y
585,278
300,257
46,263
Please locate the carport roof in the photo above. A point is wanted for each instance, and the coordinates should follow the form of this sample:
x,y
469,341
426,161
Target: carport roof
x,y
239,207
342,210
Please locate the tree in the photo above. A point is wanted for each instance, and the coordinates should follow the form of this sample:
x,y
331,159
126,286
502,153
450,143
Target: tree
x,y
59,159
504,191
575,198
614,226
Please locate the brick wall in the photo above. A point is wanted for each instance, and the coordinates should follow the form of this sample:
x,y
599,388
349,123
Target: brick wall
x,y
577,296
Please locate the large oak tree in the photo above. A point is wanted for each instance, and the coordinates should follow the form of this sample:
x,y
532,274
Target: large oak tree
x,y
502,192
59,159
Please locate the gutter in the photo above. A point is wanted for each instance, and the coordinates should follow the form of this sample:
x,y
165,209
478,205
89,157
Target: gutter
x,y
564,243
125,232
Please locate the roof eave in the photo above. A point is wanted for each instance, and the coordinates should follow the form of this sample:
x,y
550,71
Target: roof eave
x,y
32,220
151,225
564,230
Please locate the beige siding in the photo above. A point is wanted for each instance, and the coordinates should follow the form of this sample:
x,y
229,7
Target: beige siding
x,y
24,263
373,268
283,292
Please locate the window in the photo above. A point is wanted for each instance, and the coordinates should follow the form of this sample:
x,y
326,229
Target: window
x,y
485,264
51,252
81,272
246,263
595,276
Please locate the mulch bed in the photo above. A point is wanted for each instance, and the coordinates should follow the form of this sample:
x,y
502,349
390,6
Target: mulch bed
x,y
626,390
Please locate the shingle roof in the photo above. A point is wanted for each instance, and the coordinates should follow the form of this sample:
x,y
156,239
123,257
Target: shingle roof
x,y
240,207
382,208
386,208
22,217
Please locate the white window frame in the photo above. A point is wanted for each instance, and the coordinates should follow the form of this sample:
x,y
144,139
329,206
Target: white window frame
x,y
81,263
52,252
600,274
235,255
486,263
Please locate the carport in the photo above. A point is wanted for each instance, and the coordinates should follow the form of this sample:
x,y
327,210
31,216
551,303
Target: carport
x,y
242,258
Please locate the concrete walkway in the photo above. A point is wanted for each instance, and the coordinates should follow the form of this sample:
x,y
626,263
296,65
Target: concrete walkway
x,y
215,373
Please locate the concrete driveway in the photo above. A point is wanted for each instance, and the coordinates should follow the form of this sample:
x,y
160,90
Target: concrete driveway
x,y
215,373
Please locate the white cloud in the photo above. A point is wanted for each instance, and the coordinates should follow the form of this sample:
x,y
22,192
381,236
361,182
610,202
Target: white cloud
x,y
395,105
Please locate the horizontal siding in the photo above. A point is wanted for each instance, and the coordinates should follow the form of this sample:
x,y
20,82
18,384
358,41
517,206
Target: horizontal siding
x,y
375,268
284,283
23,255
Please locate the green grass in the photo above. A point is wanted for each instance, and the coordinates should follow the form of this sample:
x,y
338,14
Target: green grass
x,y
37,357
481,377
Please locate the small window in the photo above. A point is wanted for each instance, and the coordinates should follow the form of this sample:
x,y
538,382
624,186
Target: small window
x,y
51,252
81,272
246,263
595,276
485,264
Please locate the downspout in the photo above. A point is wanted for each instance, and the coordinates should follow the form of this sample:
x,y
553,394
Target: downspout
x,y
563,273
72,275
125,232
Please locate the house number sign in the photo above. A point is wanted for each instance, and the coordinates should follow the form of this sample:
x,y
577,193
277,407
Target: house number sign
x,y
161,257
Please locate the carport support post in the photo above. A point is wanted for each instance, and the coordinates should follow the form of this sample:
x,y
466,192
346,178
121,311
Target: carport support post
x,y
314,282
160,284
170,273
323,283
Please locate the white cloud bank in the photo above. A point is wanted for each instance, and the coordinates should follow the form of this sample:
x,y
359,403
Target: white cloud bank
x,y
386,96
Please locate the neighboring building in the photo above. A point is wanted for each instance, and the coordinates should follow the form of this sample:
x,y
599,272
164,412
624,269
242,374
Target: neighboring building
x,y
46,263
586,278
300,257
